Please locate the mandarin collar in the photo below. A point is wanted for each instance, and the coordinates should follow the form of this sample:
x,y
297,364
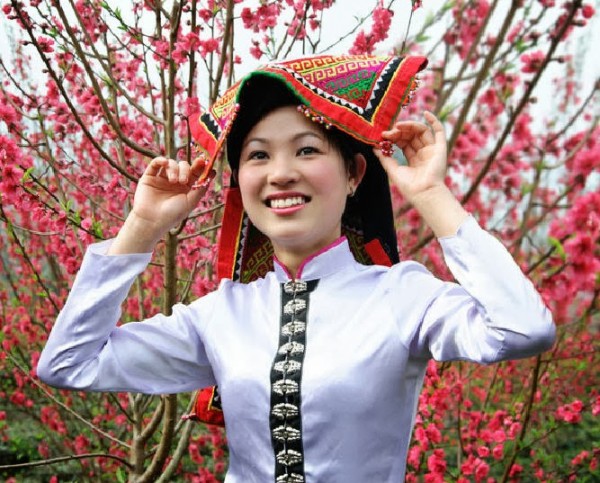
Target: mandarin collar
x,y
328,260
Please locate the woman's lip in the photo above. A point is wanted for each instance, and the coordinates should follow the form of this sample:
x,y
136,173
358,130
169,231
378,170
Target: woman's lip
x,y
289,210
284,195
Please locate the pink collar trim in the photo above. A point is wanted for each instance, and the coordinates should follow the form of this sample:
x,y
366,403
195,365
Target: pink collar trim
x,y
339,241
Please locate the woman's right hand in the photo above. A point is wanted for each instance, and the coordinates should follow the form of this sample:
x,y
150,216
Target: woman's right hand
x,y
166,193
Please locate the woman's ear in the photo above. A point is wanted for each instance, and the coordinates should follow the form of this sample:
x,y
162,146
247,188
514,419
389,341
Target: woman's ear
x,y
358,172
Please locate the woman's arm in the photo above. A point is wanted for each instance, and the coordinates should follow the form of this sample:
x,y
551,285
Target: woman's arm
x,y
495,313
85,349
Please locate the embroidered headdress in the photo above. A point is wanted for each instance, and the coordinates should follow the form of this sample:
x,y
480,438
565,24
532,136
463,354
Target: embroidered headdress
x,y
359,96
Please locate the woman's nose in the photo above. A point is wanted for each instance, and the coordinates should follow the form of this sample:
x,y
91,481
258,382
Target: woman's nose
x,y
282,171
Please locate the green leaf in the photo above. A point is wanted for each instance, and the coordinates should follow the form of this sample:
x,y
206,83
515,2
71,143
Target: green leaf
x,y
53,32
558,246
121,476
97,229
422,38
26,175
520,46
445,112
526,188
67,206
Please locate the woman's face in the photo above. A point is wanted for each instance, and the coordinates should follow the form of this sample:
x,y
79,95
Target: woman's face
x,y
293,183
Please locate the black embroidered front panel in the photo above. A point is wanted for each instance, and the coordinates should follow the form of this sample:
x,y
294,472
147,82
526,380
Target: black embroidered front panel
x,y
286,378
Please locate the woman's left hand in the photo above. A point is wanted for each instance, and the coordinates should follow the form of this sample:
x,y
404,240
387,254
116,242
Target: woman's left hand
x,y
424,147
421,182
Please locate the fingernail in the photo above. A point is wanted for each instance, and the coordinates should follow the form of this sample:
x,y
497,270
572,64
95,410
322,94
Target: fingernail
x,y
204,180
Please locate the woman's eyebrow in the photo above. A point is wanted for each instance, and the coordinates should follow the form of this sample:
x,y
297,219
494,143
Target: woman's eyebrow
x,y
295,137
303,134
255,140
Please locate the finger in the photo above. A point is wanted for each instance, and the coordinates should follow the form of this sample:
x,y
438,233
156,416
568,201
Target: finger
x,y
409,153
388,163
201,186
173,171
405,131
184,172
200,169
417,142
411,127
156,165
439,132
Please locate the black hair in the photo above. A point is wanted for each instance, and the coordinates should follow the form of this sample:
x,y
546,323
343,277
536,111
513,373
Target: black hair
x,y
263,94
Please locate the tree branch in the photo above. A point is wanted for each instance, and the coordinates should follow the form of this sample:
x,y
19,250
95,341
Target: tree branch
x,y
61,459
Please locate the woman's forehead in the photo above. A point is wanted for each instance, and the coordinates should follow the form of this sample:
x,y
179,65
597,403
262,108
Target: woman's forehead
x,y
283,124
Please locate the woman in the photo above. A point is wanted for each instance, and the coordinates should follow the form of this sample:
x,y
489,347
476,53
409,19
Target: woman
x,y
319,358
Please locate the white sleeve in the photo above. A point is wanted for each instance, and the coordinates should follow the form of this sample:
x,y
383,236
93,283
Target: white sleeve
x,y
87,351
494,313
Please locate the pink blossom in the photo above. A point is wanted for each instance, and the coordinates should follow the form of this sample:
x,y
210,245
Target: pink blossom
x,y
532,61
433,433
570,413
43,449
579,459
414,456
205,14
514,33
8,114
498,451
86,223
189,42
364,43
255,50
588,11
263,18
481,471
46,44
515,470
436,462
382,20
483,451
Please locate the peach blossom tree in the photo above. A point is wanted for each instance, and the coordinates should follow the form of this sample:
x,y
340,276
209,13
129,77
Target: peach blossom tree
x,y
91,90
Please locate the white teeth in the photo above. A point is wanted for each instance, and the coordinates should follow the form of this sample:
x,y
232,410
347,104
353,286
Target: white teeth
x,y
287,202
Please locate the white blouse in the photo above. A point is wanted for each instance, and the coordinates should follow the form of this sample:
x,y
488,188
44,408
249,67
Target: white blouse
x,y
317,385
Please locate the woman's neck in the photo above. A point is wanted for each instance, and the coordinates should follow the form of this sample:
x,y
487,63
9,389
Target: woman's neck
x,y
293,261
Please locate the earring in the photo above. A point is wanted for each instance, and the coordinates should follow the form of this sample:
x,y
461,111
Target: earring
x,y
352,192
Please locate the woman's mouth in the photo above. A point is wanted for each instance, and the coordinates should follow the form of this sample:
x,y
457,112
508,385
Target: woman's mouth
x,y
286,202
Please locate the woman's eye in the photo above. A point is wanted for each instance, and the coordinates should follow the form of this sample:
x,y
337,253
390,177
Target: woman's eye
x,y
307,150
257,155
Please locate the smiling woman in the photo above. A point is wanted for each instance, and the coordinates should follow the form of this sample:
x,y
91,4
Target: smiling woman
x,y
318,337
294,184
